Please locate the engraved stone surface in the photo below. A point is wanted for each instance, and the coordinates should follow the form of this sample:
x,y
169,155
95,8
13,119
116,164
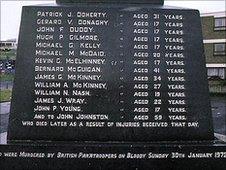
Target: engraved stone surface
x,y
114,156
110,73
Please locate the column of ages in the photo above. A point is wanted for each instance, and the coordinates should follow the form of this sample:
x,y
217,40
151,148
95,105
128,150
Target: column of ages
x,y
157,61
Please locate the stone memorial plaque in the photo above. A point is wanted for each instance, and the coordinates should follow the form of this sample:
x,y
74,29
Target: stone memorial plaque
x,y
110,73
122,85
